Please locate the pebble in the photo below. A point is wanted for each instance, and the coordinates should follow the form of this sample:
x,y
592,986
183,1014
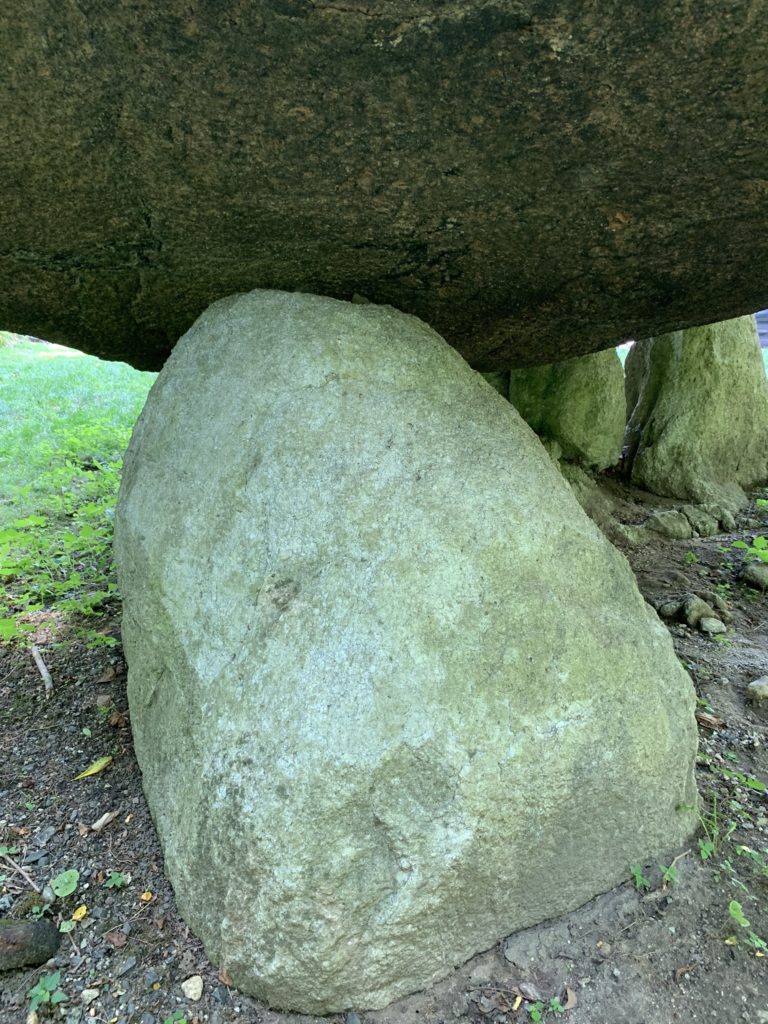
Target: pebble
x,y
221,995
351,1018
193,987
88,995
711,625
126,966
151,977
757,692
148,1018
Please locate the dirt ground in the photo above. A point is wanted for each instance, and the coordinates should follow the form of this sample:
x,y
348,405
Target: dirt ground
x,y
669,951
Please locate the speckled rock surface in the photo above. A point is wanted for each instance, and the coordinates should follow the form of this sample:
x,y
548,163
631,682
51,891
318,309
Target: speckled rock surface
x,y
699,426
536,180
579,403
393,694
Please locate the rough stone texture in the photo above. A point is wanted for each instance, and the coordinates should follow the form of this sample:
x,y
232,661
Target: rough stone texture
x,y
704,520
578,402
535,180
757,692
27,943
711,625
755,574
699,427
696,609
393,694
669,523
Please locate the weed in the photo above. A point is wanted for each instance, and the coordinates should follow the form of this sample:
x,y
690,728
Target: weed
x,y
691,558
116,880
65,884
668,875
758,549
177,1017
641,882
736,912
46,991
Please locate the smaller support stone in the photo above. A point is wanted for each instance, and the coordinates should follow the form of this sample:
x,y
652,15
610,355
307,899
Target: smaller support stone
x,y
579,403
698,425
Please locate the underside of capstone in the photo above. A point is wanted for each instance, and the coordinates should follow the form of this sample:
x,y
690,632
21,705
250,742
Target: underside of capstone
x,y
534,179
393,695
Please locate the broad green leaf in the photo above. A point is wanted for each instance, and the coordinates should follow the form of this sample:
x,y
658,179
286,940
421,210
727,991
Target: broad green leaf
x,y
65,883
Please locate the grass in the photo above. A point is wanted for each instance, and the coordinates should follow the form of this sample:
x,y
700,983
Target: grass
x,y
65,421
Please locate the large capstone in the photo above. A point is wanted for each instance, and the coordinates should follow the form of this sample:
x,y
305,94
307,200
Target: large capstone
x,y
698,425
393,694
535,179
579,403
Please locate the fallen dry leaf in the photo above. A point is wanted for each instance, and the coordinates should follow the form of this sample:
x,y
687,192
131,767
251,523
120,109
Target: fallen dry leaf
x,y
108,676
516,1004
146,896
116,938
95,768
118,721
103,821
224,977
82,828
709,721
80,913
570,998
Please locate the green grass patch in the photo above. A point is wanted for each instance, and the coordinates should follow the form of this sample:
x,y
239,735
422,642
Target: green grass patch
x,y
65,422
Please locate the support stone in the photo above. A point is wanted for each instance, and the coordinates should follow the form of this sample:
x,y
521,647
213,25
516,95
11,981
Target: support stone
x,y
698,403
579,403
393,695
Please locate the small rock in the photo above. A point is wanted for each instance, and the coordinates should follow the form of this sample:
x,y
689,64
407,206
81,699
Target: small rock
x,y
670,523
148,1018
27,943
88,995
694,609
127,965
727,520
43,836
669,609
193,987
151,977
702,522
755,574
714,599
757,692
711,625
221,995
351,1018
676,578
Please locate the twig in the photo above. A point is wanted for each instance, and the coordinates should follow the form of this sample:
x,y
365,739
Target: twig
x,y
12,863
43,670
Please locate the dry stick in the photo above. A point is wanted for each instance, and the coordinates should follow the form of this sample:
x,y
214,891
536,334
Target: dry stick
x,y
12,863
43,670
